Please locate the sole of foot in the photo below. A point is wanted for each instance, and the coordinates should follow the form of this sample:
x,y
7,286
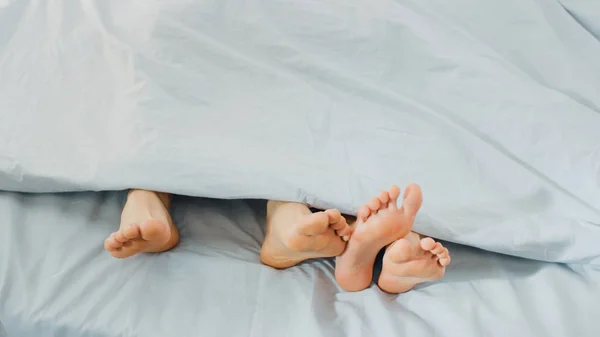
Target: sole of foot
x,y
146,227
410,261
295,234
379,223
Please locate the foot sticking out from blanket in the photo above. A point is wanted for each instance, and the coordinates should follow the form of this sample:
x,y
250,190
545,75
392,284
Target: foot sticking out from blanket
x,y
378,224
146,226
410,261
295,234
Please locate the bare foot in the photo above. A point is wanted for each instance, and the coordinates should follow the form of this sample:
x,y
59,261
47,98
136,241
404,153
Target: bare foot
x,y
410,261
146,226
295,234
378,224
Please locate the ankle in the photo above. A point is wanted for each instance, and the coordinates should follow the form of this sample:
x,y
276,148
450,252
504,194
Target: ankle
x,y
165,198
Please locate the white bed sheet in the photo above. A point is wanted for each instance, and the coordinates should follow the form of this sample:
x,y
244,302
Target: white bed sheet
x,y
56,280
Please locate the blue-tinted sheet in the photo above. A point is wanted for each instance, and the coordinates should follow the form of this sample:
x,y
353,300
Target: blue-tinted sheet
x,y
56,280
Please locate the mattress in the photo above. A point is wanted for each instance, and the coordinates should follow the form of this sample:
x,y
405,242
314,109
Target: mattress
x,y
56,280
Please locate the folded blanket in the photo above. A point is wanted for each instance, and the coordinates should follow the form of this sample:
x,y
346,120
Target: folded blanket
x,y
493,108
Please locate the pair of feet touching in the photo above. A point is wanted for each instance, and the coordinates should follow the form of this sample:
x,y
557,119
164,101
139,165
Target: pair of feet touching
x,y
408,259
295,234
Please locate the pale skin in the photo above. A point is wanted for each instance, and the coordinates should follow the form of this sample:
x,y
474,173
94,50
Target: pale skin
x,y
295,234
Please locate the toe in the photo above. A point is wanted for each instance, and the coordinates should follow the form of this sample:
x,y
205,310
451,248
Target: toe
x,y
394,193
374,204
345,233
346,230
437,249
428,244
413,198
111,243
384,197
110,249
444,253
399,251
107,245
119,236
444,261
341,227
131,232
114,242
335,219
363,213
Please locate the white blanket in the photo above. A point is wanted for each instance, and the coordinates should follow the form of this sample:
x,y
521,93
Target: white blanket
x,y
493,108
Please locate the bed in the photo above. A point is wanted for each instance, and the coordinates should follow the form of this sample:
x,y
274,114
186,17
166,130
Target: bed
x,y
213,284
491,106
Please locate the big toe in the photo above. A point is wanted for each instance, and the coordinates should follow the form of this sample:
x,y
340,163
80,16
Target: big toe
x,y
413,198
154,230
333,216
428,243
